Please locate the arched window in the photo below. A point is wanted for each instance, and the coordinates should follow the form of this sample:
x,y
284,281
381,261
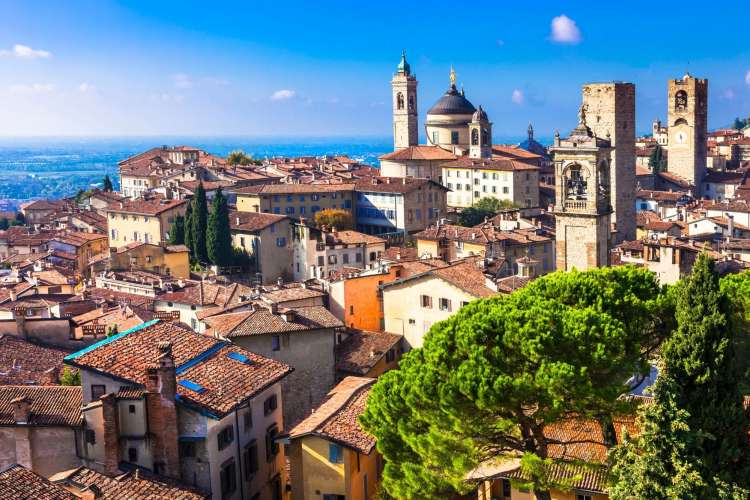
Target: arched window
x,y
411,103
680,100
680,121
485,137
399,101
603,179
575,183
474,137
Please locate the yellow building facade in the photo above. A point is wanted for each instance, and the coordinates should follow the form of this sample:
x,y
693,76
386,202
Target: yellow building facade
x,y
142,220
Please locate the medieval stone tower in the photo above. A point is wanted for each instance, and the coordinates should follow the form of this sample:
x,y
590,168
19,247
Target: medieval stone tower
x,y
480,135
405,120
583,207
687,111
610,108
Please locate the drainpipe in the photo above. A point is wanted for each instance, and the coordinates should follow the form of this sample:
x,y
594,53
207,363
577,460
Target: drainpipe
x,y
239,453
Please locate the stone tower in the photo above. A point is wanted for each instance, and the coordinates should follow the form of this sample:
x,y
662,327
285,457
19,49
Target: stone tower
x,y
687,111
480,135
610,108
583,208
405,121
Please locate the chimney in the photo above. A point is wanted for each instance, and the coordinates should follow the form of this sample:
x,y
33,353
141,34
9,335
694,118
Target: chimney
x,y
19,313
288,315
161,384
730,225
21,409
237,221
279,281
274,308
21,414
13,295
387,180
111,434
50,377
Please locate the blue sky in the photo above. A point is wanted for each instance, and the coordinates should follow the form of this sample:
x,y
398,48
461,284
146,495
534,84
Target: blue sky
x,y
289,68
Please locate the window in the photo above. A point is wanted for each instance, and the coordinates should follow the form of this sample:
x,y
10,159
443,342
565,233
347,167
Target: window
x,y
426,301
133,455
225,437
276,210
476,181
399,101
335,453
314,197
302,210
454,137
275,343
272,447
505,189
434,136
187,449
321,261
581,496
346,258
332,259
242,241
329,496
475,137
390,356
358,257
97,391
464,303
247,419
281,242
450,185
228,477
445,304
90,436
494,189
412,321
251,459
373,256
131,408
270,404
506,489
289,210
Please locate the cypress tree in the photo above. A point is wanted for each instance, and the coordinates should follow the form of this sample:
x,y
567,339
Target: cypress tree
x,y
188,238
694,439
177,231
200,221
219,239
107,184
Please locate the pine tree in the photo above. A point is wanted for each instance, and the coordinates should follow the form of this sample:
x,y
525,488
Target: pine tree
x,y
218,238
107,184
177,231
189,227
200,221
694,436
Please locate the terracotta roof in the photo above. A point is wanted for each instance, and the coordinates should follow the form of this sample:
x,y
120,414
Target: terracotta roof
x,y
514,152
401,185
260,320
467,276
18,289
480,234
114,297
45,205
512,283
419,153
660,195
141,206
290,292
36,301
16,481
362,350
501,164
49,405
252,221
400,253
641,171
660,225
294,188
225,381
349,237
724,177
136,485
730,206
675,179
25,363
201,293
336,418
587,478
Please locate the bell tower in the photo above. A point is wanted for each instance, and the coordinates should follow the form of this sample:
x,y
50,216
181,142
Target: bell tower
x,y
405,122
687,109
480,135
583,203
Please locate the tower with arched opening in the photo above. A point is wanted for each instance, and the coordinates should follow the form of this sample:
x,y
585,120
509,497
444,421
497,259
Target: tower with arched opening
x,y
687,111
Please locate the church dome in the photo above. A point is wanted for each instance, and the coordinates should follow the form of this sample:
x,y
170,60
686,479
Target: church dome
x,y
452,103
479,115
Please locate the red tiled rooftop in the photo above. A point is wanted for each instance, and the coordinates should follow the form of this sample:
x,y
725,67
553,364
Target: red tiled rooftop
x,y
420,153
50,405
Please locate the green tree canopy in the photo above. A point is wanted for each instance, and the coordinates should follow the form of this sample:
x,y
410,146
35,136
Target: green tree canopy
x,y
70,376
238,157
739,123
177,231
656,160
334,217
199,224
493,376
486,207
219,238
694,436
107,184
189,227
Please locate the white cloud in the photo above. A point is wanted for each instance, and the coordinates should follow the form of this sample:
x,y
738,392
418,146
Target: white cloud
x,y
25,52
565,30
86,87
747,77
517,96
32,88
283,95
182,81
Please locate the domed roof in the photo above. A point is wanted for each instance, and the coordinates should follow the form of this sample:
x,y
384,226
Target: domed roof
x,y
452,103
479,115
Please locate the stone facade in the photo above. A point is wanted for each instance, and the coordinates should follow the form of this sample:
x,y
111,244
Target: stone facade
x,y
405,119
687,109
582,198
610,108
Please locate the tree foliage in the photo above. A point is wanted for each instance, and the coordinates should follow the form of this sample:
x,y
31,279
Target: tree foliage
x,y
694,436
219,238
107,184
739,123
4,224
486,207
70,376
238,157
656,160
334,217
199,224
177,231
490,378
188,239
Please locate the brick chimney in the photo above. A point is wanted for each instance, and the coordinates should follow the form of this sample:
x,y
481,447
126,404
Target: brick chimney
x,y
21,409
22,432
161,384
111,434
19,313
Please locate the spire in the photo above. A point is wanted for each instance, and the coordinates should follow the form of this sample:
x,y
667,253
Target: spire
x,y
453,77
462,90
403,66
530,132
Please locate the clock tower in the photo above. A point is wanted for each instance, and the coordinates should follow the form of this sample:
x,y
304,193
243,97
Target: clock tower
x,y
687,109
583,206
404,86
